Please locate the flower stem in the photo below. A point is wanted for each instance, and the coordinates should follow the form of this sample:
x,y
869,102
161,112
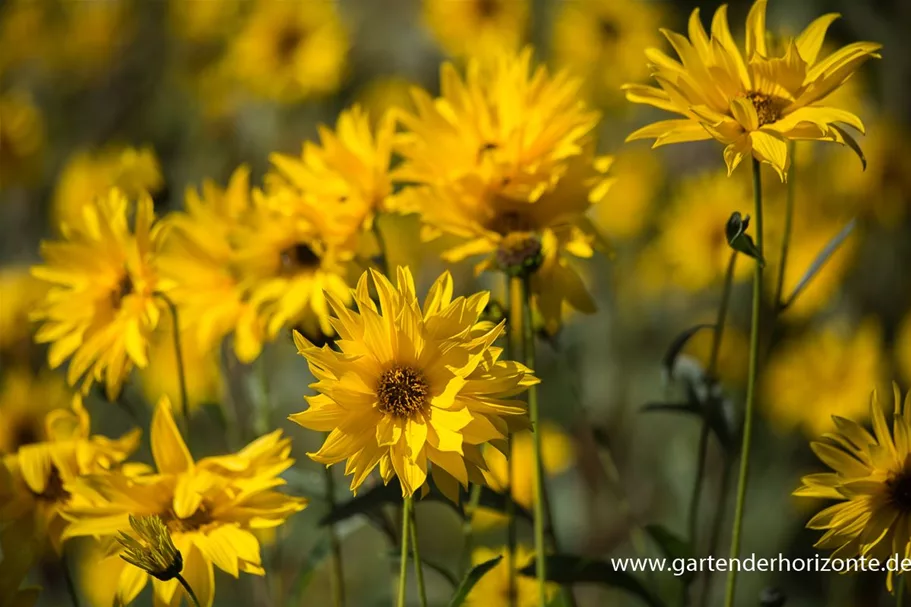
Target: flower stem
x,y
514,346
900,591
418,564
716,528
189,590
751,392
403,567
338,578
788,226
68,579
538,471
178,356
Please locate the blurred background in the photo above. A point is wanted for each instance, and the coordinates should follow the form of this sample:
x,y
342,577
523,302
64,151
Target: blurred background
x,y
162,94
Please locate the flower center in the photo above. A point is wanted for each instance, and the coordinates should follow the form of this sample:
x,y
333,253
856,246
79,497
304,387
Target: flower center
x,y
899,488
519,253
402,391
195,521
124,288
768,108
608,30
23,433
298,257
53,490
288,41
488,8
508,222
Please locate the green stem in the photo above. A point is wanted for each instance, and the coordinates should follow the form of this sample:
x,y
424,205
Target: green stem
x,y
788,221
514,346
68,580
900,591
189,590
474,499
715,537
381,243
403,568
178,356
338,578
418,563
538,472
751,393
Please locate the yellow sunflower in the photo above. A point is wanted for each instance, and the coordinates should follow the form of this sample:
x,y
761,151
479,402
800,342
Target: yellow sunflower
x,y
42,472
101,307
19,293
410,387
25,400
753,103
292,50
477,27
870,479
493,589
211,508
21,139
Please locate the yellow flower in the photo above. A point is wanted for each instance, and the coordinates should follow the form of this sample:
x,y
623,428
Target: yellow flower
x,y
42,472
198,258
289,51
25,400
202,22
639,179
89,175
384,94
21,139
692,240
209,509
753,103
88,36
493,589
733,352
411,386
24,35
825,373
903,347
603,39
101,308
19,293
870,479
477,27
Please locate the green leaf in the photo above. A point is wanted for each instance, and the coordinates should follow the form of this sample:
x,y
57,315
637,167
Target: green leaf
x,y
819,262
571,569
395,556
677,345
671,545
472,578
739,240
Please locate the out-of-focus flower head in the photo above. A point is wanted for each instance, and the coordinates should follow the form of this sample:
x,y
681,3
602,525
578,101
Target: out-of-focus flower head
x,y
753,103
290,51
384,94
102,306
477,27
823,373
21,139
870,480
692,242
413,389
42,471
25,400
19,293
89,36
733,353
493,589
24,36
603,40
88,175
639,177
203,22
210,513
504,162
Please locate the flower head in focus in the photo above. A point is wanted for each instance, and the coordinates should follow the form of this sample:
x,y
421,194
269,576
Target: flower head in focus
x,y
290,51
149,547
825,373
22,139
871,482
493,589
102,306
753,103
209,507
411,387
477,27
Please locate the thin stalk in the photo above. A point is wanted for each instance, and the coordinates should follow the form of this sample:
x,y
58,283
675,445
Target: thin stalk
x,y
403,567
788,221
338,577
538,473
715,537
381,243
68,580
474,499
751,393
178,356
900,592
418,563
514,345
186,586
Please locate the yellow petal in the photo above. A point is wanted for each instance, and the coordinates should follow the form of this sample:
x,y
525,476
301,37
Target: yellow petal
x,y
168,448
132,581
771,148
810,39
755,31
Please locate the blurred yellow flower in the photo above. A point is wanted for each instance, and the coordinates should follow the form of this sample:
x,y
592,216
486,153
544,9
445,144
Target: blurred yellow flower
x,y
201,22
210,507
101,308
493,589
21,139
871,482
412,387
754,104
42,472
824,373
691,240
477,27
603,41
292,50
89,175
89,36
24,35
903,349
19,293
383,94
25,400
733,353
639,177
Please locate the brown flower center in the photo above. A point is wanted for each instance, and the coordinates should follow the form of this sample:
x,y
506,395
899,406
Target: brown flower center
x,y
25,432
298,257
768,108
288,42
487,8
899,490
195,521
124,288
53,490
402,391
608,30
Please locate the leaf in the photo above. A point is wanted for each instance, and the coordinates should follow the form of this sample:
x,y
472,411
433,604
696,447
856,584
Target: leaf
x,y
365,503
819,262
677,345
472,578
739,240
571,569
685,408
672,545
